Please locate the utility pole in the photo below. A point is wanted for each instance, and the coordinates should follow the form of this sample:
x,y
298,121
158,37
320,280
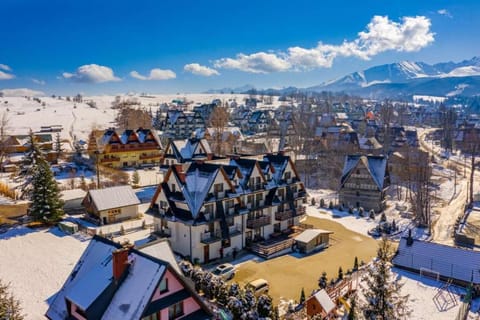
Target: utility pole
x,y
97,153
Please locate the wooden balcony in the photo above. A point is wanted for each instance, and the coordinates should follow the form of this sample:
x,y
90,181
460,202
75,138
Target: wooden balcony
x,y
149,156
301,211
254,223
284,215
109,159
210,237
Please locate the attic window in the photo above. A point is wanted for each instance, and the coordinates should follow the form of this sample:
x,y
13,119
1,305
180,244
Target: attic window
x,y
163,286
358,171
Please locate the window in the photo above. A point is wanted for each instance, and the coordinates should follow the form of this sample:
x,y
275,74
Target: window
x,y
163,204
209,208
288,175
358,194
250,198
218,187
175,311
163,286
173,187
151,317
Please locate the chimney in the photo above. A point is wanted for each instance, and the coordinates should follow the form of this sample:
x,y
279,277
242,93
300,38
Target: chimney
x,y
120,262
409,238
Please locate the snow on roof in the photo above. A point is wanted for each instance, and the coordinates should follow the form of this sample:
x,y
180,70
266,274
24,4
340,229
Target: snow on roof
x,y
72,194
452,262
93,273
161,250
324,300
114,197
97,254
94,282
310,234
197,185
135,292
376,165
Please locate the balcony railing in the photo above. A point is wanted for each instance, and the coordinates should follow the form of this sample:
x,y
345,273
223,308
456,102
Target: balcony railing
x,y
109,159
301,211
258,222
149,156
209,237
284,215
234,230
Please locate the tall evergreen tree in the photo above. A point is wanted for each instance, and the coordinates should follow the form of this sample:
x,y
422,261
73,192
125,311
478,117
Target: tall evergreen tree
x,y
46,203
10,308
382,291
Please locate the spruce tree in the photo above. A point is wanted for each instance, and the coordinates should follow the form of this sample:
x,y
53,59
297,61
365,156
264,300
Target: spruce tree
x,y
9,306
46,203
355,264
382,291
323,281
340,273
302,296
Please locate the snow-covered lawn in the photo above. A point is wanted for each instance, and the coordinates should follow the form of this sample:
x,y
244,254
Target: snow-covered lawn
x,y
363,224
36,264
422,293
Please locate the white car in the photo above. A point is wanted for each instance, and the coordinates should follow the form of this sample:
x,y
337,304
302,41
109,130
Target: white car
x,y
226,271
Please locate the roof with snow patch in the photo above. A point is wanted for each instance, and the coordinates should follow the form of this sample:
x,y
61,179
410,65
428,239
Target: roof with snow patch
x,y
114,197
376,166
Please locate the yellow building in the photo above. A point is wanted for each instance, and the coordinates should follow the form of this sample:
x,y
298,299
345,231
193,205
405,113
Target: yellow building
x,y
125,149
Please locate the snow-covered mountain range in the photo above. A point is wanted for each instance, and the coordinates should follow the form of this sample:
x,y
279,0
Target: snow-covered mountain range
x,y
407,77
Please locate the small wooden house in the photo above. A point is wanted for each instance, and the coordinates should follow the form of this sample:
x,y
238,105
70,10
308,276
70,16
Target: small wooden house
x,y
321,304
113,204
312,239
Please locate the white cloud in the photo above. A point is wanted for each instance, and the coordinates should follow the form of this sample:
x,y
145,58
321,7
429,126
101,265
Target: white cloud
x,y
40,82
260,62
91,73
155,74
6,76
381,34
21,92
5,67
200,70
444,12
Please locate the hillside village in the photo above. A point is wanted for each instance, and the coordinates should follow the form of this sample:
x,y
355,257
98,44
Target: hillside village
x,y
187,199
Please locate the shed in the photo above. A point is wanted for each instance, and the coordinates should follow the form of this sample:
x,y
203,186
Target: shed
x,y
320,304
73,200
312,239
113,204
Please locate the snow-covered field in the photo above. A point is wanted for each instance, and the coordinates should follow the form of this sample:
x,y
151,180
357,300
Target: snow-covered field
x,y
78,119
36,263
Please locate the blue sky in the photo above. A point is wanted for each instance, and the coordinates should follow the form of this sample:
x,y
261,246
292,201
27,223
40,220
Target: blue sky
x,y
96,47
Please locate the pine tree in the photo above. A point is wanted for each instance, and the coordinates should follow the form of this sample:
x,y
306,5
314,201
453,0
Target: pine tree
x,y
382,291
352,312
46,203
340,273
9,306
302,296
323,281
355,264
265,306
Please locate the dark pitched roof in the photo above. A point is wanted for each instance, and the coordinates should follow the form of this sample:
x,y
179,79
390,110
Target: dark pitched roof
x,y
376,166
451,262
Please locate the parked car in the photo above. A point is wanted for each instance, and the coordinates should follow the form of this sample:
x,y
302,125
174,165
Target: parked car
x,y
226,271
259,286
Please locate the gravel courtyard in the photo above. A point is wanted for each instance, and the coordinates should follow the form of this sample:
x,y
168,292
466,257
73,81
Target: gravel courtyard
x,y
288,274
